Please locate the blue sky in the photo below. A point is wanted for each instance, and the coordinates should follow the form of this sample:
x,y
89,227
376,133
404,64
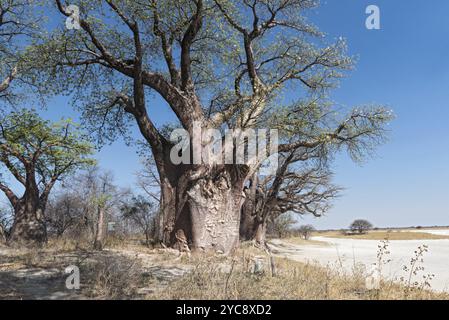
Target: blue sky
x,y
402,65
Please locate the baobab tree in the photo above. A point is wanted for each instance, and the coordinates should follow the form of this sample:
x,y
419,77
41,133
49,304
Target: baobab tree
x,y
216,64
37,154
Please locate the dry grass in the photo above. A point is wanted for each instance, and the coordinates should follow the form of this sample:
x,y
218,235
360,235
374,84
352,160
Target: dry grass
x,y
301,241
382,235
292,280
137,272
68,245
112,278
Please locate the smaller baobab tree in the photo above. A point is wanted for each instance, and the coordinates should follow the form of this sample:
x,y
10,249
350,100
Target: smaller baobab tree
x,y
302,183
361,226
37,153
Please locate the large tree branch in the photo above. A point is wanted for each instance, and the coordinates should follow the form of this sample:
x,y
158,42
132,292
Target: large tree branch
x,y
186,43
4,158
166,46
359,133
7,150
13,199
229,18
156,81
129,22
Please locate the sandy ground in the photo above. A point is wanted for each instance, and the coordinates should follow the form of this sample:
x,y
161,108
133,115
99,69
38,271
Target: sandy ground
x,y
345,253
46,280
19,281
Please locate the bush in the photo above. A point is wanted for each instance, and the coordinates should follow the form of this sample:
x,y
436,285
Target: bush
x,y
112,277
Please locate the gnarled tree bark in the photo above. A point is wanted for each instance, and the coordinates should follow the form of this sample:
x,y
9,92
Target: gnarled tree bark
x,y
214,203
205,204
29,226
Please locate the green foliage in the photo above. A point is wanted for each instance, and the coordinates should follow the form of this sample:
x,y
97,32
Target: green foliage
x,y
20,22
291,56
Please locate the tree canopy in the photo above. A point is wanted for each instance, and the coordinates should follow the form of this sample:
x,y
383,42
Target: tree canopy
x,y
18,28
360,226
35,149
225,63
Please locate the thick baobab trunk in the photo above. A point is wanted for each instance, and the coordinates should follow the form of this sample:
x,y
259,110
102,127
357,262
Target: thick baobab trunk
x,y
215,214
99,234
202,200
205,204
29,227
